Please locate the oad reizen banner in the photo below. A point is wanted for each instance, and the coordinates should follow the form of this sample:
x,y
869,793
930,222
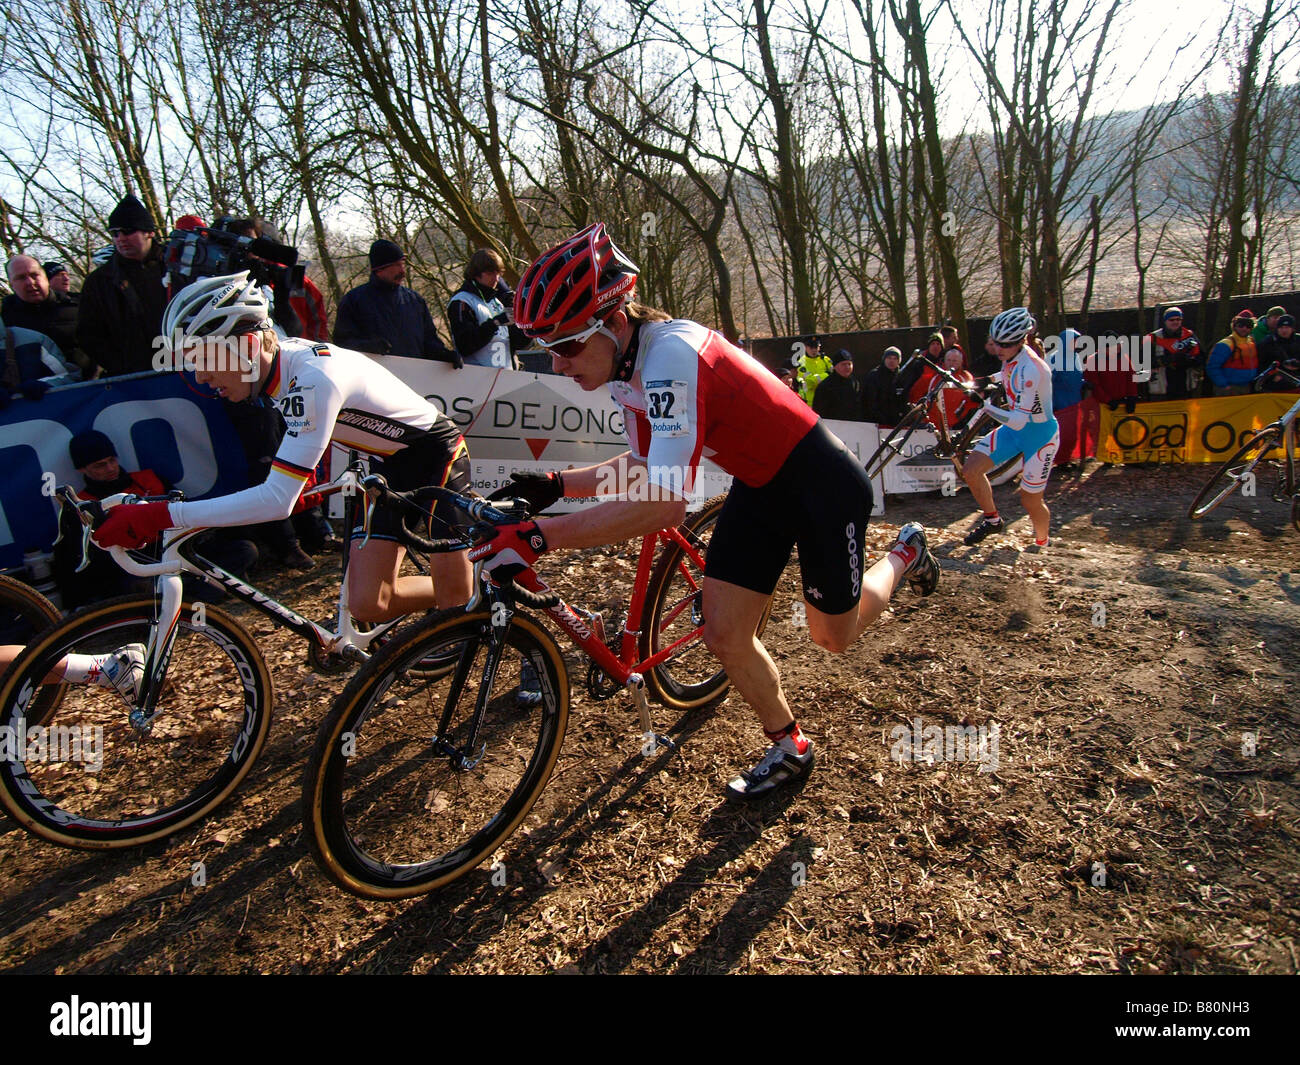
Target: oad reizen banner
x,y
1195,430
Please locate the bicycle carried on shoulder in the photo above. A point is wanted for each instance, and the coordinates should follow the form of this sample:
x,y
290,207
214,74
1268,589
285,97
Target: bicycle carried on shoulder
x,y
1255,453
952,443
201,711
419,773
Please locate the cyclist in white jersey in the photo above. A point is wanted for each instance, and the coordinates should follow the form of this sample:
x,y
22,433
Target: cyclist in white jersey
x,y
326,393
1028,428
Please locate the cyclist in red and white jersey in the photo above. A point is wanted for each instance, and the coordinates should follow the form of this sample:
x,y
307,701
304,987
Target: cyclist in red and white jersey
x,y
688,394
221,326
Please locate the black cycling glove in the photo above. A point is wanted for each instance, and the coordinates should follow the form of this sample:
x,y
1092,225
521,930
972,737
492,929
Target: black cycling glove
x,y
540,490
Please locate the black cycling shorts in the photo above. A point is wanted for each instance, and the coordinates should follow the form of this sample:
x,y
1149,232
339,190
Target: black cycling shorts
x,y
820,499
443,462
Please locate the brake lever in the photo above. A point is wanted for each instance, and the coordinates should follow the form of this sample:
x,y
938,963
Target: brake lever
x,y
89,514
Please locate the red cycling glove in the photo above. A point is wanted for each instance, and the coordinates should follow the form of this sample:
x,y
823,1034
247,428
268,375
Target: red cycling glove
x,y
133,525
513,549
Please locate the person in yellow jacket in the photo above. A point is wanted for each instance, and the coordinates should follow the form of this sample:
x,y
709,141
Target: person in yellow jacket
x,y
816,367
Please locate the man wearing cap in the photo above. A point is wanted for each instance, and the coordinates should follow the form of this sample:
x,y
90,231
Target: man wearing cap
x,y
1267,325
384,317
1234,361
122,301
34,305
61,282
1179,351
881,402
814,368
839,397
1282,348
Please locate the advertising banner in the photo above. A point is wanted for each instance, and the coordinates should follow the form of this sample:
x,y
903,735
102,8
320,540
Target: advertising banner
x,y
1195,430
156,421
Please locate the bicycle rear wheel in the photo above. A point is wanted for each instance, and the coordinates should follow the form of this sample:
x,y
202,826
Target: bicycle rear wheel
x,y
24,613
692,677
79,774
410,786
1228,477
892,446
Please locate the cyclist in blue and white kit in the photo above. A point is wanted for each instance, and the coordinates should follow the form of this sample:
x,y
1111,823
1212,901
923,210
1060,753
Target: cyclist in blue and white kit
x,y
1028,428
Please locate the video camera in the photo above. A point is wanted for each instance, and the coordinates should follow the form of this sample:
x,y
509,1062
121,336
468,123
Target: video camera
x,y
207,252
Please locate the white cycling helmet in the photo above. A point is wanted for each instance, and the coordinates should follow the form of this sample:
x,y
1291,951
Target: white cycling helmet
x,y
217,307
1011,325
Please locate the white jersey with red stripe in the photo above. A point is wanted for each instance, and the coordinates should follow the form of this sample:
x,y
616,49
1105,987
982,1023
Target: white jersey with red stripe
x,y
326,393
687,394
1027,380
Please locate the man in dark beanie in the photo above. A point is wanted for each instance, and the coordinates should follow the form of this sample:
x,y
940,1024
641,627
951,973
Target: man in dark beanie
x,y
881,401
95,458
384,317
840,396
122,301
60,281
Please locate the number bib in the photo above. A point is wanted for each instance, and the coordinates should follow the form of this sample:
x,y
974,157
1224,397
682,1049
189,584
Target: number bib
x,y
667,403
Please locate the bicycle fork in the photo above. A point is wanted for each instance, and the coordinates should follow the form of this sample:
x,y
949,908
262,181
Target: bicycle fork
x,y
466,758
158,652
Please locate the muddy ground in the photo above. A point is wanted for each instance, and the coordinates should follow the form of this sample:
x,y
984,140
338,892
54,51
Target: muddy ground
x,y
1142,816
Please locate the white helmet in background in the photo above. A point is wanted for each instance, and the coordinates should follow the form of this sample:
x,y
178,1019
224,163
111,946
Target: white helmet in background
x,y
229,305
1011,325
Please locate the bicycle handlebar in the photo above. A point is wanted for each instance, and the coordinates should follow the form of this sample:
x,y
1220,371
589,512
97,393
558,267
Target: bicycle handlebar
x,y
940,371
1276,367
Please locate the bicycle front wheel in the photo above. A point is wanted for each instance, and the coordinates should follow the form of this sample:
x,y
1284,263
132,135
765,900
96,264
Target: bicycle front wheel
x,y
24,613
674,609
81,775
1228,477
892,446
426,764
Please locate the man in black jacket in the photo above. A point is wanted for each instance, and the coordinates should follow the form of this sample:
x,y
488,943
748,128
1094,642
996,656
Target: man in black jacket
x,y
839,397
1282,346
882,403
35,305
384,317
122,301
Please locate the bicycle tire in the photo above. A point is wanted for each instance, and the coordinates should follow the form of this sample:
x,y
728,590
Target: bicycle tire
x,y
24,614
212,720
892,446
389,816
692,677
1228,477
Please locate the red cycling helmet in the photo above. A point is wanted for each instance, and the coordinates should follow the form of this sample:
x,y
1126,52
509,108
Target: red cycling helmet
x,y
574,284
